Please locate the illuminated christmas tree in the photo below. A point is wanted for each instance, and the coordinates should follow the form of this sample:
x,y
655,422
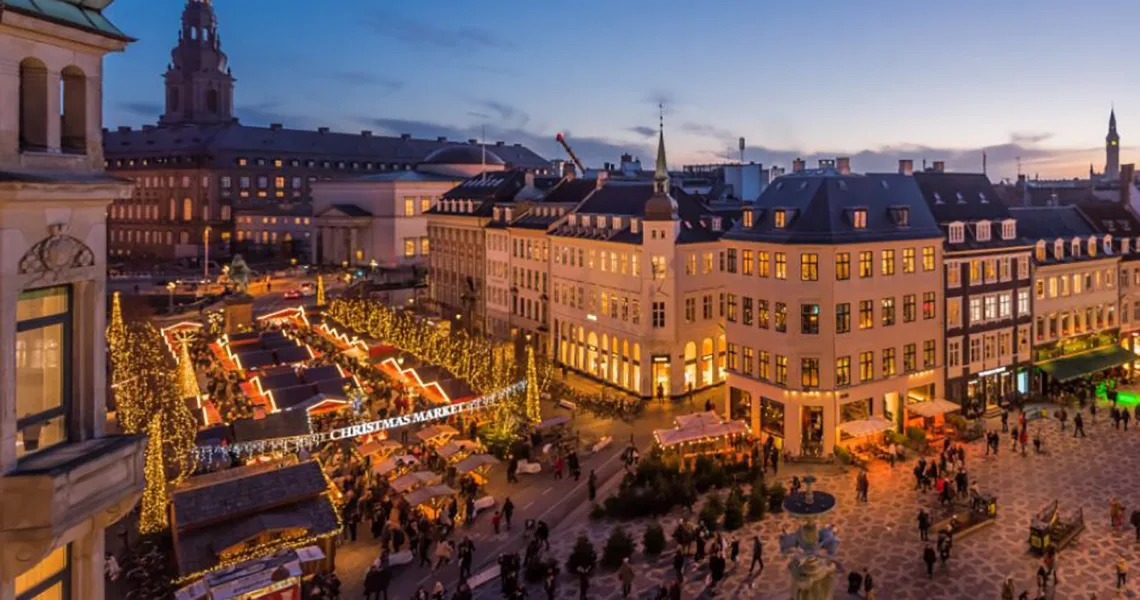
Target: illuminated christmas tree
x,y
187,380
533,391
320,290
116,330
152,513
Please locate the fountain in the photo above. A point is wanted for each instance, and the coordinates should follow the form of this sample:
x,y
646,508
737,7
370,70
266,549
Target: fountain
x,y
812,572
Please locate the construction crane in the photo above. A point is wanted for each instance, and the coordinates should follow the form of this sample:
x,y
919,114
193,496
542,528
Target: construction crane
x,y
562,140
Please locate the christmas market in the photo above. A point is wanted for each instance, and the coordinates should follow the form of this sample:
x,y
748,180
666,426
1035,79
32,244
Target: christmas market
x,y
703,434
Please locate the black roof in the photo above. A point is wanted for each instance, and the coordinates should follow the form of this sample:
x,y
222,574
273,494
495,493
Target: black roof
x,y
819,209
500,186
961,197
1052,222
222,144
1111,218
285,423
463,155
570,191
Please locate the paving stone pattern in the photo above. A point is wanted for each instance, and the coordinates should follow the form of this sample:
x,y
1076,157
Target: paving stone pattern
x,y
882,535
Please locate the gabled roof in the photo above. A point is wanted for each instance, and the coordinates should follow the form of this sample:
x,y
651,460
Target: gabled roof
x,y
349,210
961,197
820,209
1111,218
500,186
1050,223
80,14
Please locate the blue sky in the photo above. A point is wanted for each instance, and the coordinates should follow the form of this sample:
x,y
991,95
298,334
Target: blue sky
x,y
877,80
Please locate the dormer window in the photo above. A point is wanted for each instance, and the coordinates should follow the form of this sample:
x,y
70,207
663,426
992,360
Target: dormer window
x,y
957,233
982,231
900,215
1059,249
1107,244
498,213
1124,246
634,225
616,222
573,219
859,218
780,218
1008,229
748,219
1075,247
1092,246
716,223
1041,251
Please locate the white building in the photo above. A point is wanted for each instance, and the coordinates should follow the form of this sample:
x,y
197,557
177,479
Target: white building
x,y
62,480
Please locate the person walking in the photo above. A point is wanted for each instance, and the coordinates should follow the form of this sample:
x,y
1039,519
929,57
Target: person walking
x,y
592,485
1135,520
758,553
625,575
495,520
868,585
549,584
929,557
1007,590
508,511
1063,416
1004,420
923,525
1078,425
679,564
466,557
1125,417
854,583
1121,572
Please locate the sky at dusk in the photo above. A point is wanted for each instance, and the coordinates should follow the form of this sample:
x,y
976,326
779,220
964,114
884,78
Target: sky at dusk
x,y
876,80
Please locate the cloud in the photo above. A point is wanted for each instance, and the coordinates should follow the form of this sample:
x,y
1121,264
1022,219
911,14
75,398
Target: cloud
x,y
364,79
505,112
148,110
1028,137
643,131
706,130
264,113
430,35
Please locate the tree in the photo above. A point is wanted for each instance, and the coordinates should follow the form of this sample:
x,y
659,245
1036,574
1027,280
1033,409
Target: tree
x,y
733,513
116,329
533,393
321,291
582,556
187,379
653,542
619,546
711,511
152,513
757,500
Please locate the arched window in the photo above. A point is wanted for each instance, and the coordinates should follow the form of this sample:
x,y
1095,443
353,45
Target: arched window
x,y
183,237
173,210
187,209
193,33
73,111
212,101
33,105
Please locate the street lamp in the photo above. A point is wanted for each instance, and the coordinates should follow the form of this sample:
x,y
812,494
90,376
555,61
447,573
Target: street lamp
x,y
206,259
372,263
170,288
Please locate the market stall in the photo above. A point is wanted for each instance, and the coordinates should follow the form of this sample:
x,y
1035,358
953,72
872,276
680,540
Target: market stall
x,y
477,466
436,435
702,434
430,499
394,466
379,449
864,437
457,450
930,415
415,480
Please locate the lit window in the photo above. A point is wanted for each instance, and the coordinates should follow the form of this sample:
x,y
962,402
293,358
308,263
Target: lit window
x,y
409,247
781,219
50,579
278,182
278,163
859,218
242,162
43,328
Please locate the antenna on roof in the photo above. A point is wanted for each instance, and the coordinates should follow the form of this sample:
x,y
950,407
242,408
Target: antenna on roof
x,y
1019,166
983,161
483,144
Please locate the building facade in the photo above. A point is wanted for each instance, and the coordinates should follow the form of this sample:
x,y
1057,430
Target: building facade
x,y
62,479
834,293
1076,312
987,288
198,166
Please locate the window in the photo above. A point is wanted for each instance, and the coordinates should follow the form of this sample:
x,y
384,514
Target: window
x,y
762,364
888,305
746,262
953,275
1022,302
889,369
1005,306
731,357
409,247
991,307
658,266
842,317
33,108
731,315
866,314
781,265
781,370
1040,289
809,266
1023,267
953,354
690,310
888,262
859,218
866,264
748,218
781,317
409,206
707,307
866,366
928,305
747,359
658,315
780,218
809,319
43,368
843,371
975,349
731,260
691,264
928,354
809,373
762,314
910,358
928,258
957,233
908,260
910,308
425,245
50,579
746,317
763,266
425,204
707,263
842,266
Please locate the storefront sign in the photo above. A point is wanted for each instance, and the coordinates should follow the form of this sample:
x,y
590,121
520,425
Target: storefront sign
x,y
992,372
660,359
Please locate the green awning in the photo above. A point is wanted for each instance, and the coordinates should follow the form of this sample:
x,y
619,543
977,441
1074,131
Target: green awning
x,y
1072,367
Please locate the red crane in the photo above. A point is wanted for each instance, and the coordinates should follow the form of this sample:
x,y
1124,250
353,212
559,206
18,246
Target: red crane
x,y
562,140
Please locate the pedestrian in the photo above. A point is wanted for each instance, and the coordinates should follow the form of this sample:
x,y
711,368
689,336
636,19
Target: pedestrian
x,y
734,550
1078,425
928,557
944,543
496,520
1063,416
558,464
508,511
1135,520
372,584
437,592
466,557
583,582
679,564
625,575
868,585
854,583
923,525
542,532
592,485
1121,572
1124,416
549,583
512,469
1004,420
1024,439
1007,590
716,571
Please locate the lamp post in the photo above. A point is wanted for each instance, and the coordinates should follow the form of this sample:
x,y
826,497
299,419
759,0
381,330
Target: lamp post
x,y
206,257
170,288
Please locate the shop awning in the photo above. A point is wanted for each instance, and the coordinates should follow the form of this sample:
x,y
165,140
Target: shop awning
x,y
865,427
932,408
1072,367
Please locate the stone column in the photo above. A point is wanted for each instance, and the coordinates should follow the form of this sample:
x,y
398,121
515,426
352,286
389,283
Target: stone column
x,y
87,566
352,241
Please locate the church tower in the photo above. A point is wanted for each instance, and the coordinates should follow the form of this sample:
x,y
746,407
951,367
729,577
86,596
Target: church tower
x,y
199,87
1112,149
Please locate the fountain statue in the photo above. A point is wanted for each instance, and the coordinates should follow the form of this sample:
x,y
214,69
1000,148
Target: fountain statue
x,y
813,569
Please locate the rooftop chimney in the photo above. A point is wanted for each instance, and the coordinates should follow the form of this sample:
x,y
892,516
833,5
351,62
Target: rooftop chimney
x,y
442,138
500,143
1126,177
939,166
603,175
906,166
322,130
528,178
276,126
366,133
568,170
798,165
843,165
405,136
472,141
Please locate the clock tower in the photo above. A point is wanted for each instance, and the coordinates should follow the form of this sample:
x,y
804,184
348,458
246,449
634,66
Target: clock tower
x,y
1112,149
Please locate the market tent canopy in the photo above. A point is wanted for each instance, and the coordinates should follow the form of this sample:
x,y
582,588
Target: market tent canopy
x,y
394,462
474,462
932,408
700,419
415,480
865,427
673,437
434,432
1072,367
427,494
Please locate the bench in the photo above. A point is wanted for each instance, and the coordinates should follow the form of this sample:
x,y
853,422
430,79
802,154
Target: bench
x,y
489,574
528,467
568,404
484,503
602,444
402,557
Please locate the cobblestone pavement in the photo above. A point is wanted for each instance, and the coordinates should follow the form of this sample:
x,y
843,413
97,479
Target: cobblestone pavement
x,y
882,535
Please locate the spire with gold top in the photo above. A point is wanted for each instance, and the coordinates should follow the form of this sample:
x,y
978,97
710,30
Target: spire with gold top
x,y
661,206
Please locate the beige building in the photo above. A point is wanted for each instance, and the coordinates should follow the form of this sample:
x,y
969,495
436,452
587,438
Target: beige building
x,y
1076,324
834,318
62,480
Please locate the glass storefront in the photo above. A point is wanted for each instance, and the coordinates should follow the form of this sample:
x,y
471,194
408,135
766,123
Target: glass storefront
x,y
661,366
989,389
811,431
739,405
772,419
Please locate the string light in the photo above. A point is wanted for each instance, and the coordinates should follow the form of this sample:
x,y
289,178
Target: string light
x,y
320,291
187,380
533,395
152,514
